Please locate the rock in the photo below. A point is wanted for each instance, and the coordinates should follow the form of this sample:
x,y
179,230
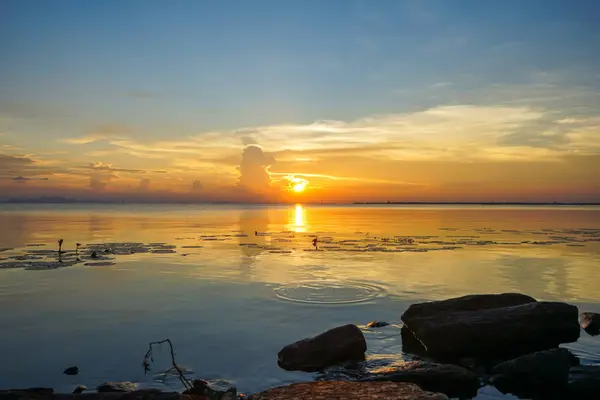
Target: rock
x,y
584,382
452,380
71,371
590,322
79,389
116,387
473,302
220,390
342,390
548,367
455,328
344,343
377,324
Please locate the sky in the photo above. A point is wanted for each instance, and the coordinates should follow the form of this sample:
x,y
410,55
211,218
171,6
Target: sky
x,y
300,101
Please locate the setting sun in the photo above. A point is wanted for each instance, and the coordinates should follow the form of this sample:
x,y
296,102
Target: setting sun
x,y
299,187
296,184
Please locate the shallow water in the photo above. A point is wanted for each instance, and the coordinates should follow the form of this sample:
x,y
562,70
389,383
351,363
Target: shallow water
x,y
231,285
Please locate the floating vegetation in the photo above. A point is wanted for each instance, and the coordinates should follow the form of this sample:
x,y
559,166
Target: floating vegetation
x,y
192,247
99,264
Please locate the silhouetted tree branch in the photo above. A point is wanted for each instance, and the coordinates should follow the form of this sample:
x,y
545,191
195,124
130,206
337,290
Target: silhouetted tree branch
x,y
148,358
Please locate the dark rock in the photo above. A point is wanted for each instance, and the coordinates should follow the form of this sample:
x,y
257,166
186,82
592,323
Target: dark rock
x,y
220,390
455,329
344,343
198,387
71,371
473,302
584,382
548,367
79,389
377,324
117,387
452,380
590,322
37,393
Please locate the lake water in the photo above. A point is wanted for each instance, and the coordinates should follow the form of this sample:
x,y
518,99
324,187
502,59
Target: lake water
x,y
231,285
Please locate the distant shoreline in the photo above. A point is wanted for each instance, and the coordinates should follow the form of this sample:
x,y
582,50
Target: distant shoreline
x,y
424,203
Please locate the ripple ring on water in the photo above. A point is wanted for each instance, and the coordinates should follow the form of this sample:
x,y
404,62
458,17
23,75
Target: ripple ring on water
x,y
329,292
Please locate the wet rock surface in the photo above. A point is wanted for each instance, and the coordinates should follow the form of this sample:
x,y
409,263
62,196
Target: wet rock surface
x,y
117,387
344,343
452,380
340,390
457,328
549,367
590,322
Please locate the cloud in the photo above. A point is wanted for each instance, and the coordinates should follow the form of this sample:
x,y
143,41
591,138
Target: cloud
x,y
144,185
100,166
197,186
99,181
254,175
23,179
102,132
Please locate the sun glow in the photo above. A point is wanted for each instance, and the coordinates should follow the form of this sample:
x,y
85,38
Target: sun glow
x,y
296,185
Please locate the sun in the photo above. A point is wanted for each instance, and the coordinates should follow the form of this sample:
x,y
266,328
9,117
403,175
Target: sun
x,y
299,187
296,184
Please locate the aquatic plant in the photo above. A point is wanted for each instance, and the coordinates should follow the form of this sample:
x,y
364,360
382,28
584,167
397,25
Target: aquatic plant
x,y
148,358
60,243
77,248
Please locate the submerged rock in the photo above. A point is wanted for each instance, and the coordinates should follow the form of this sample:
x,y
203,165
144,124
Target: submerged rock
x,y
489,326
344,343
548,367
117,387
71,370
377,324
452,380
340,390
590,322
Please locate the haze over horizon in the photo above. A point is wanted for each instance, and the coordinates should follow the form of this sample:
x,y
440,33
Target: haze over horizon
x,y
300,101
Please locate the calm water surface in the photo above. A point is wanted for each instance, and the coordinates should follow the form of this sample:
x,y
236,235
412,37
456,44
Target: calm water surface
x,y
229,299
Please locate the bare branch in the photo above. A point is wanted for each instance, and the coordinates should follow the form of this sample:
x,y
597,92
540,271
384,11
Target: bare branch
x,y
148,359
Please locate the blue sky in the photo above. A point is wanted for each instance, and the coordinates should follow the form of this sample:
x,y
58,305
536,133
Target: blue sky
x,y
171,69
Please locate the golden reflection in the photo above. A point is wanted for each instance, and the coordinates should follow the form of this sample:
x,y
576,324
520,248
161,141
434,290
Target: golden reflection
x,y
298,224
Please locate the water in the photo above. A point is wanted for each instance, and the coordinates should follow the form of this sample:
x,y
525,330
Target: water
x,y
229,299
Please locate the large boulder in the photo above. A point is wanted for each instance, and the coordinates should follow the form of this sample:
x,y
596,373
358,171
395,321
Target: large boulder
x,y
473,302
499,328
342,390
452,380
344,343
590,322
548,367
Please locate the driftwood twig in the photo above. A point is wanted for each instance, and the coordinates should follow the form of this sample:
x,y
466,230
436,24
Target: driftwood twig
x,y
148,359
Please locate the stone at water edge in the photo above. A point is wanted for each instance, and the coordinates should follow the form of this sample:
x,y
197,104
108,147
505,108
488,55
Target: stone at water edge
x,y
117,387
79,389
220,390
452,380
590,322
451,331
71,370
344,390
548,367
377,324
337,345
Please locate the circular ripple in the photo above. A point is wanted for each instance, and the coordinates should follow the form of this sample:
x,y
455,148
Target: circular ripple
x,y
328,292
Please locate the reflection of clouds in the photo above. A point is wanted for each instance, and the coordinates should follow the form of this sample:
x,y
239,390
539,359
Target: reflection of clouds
x,y
252,220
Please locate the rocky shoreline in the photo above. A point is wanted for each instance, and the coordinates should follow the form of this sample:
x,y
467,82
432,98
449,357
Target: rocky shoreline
x,y
510,341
